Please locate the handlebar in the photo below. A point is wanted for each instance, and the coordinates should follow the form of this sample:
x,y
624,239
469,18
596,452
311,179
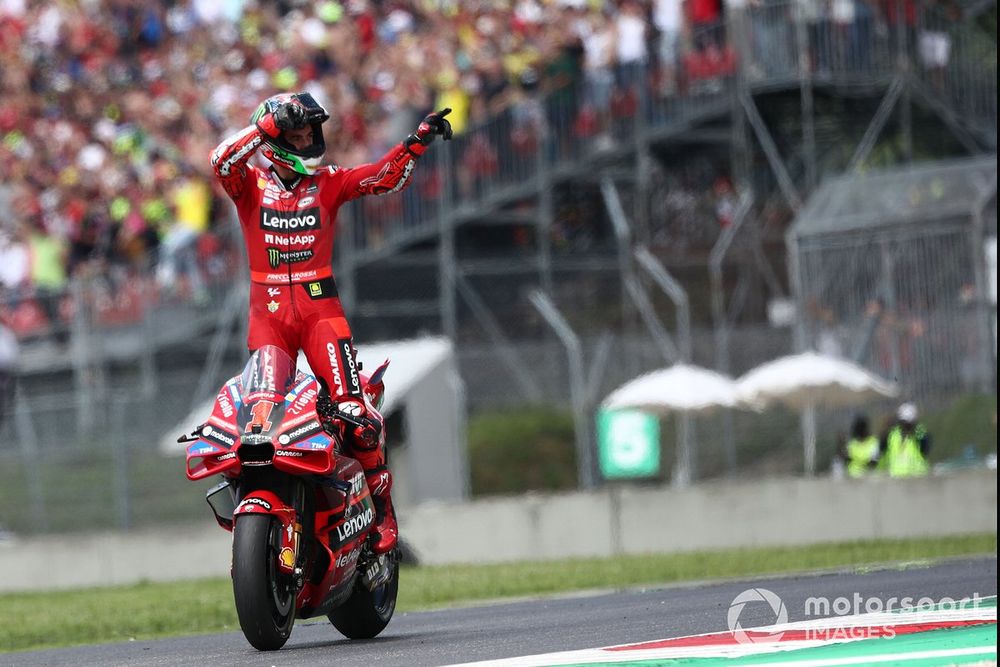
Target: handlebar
x,y
350,419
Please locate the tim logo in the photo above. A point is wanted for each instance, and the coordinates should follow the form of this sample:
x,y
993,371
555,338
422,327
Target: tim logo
x,y
277,257
286,222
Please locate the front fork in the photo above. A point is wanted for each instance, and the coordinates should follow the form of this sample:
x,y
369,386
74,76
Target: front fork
x,y
291,554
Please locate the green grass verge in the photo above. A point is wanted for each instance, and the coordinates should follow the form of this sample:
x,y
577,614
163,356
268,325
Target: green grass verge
x,y
528,448
145,611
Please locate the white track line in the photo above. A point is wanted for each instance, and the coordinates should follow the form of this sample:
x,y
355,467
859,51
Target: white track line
x,y
897,618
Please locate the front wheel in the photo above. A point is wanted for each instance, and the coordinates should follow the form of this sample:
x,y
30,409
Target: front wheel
x,y
366,613
265,598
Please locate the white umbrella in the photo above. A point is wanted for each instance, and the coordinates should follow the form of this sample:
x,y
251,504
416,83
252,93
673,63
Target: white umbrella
x,y
680,388
809,380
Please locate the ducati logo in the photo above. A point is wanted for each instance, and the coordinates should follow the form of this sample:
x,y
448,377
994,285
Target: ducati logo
x,y
273,306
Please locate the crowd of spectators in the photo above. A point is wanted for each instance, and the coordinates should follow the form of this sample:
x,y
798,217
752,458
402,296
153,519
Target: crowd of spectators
x,y
109,108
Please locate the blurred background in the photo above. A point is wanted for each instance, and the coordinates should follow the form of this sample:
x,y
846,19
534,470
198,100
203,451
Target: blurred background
x,y
632,184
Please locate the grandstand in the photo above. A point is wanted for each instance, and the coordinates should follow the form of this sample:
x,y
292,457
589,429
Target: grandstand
x,y
567,158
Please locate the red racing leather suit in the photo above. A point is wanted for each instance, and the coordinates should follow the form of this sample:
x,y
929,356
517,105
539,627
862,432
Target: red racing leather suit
x,y
289,232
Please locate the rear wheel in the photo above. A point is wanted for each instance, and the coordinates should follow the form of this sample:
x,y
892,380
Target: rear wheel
x,y
265,597
366,613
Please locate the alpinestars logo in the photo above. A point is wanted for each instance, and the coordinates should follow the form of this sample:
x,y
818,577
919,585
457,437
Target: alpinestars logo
x,y
225,167
407,170
287,222
276,257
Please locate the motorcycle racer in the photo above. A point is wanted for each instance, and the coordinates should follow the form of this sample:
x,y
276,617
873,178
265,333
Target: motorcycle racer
x,y
288,215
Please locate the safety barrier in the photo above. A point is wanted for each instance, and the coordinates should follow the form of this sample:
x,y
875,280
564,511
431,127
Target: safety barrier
x,y
617,520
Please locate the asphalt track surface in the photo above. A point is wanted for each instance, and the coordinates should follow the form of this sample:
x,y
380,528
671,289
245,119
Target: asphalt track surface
x,y
526,627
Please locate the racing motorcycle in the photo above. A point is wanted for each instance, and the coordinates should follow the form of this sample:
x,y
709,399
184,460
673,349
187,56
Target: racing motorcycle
x,y
300,510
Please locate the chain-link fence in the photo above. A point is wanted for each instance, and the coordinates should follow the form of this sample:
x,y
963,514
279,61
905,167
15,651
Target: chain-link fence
x,y
58,477
891,272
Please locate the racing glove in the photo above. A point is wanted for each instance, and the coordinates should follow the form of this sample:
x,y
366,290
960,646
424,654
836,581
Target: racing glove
x,y
367,436
365,428
430,128
288,116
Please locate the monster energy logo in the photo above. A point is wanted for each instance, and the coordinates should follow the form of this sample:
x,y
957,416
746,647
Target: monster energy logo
x,y
275,257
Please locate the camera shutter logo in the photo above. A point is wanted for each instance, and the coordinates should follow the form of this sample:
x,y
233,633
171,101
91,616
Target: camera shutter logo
x,y
756,595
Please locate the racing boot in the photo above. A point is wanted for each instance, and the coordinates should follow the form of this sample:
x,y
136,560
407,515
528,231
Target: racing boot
x,y
368,447
386,532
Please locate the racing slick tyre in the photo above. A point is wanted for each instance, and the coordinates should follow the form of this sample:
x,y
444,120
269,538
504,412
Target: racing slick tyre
x,y
366,613
265,597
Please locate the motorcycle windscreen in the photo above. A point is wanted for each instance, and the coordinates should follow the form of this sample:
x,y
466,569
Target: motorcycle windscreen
x,y
267,377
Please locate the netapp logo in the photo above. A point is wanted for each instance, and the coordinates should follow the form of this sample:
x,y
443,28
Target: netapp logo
x,y
289,221
297,239
276,257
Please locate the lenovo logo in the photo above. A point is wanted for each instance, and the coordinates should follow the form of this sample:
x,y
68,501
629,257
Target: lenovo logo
x,y
289,221
353,379
355,525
